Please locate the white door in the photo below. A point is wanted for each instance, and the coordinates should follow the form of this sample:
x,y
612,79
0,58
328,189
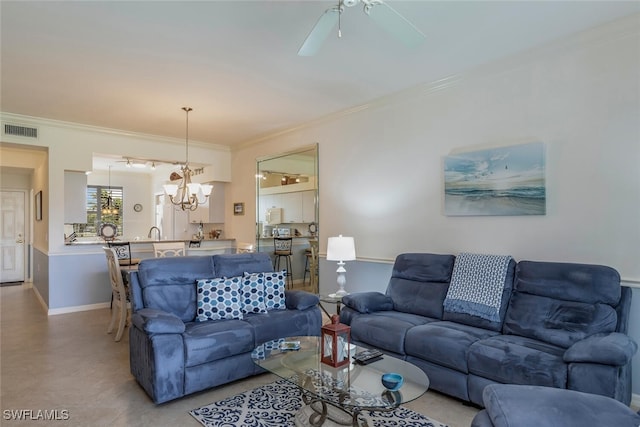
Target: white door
x,y
12,241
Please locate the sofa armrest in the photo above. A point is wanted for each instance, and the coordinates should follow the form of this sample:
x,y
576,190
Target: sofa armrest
x,y
154,321
610,349
300,300
368,302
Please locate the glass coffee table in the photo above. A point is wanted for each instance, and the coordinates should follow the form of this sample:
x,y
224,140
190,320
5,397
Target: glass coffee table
x,y
338,396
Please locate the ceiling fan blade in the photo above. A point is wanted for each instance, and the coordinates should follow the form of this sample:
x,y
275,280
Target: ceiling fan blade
x,y
320,32
394,23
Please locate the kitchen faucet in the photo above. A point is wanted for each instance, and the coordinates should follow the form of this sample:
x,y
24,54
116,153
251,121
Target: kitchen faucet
x,y
151,231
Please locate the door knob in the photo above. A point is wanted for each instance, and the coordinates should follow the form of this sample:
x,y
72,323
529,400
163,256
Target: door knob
x,y
19,241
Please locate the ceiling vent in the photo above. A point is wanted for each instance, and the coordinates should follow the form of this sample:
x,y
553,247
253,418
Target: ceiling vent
x,y
20,131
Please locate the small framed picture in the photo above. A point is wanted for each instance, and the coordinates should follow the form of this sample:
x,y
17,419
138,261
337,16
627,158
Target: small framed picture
x,y
238,208
38,207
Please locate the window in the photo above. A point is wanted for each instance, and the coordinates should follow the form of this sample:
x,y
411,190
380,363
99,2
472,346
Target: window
x,y
96,197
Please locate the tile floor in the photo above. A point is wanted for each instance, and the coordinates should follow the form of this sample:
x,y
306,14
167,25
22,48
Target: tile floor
x,y
68,362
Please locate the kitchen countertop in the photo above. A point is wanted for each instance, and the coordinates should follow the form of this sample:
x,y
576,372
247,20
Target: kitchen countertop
x,y
295,237
141,241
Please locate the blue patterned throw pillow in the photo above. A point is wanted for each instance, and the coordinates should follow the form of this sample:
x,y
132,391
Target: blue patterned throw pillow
x,y
274,286
253,294
219,299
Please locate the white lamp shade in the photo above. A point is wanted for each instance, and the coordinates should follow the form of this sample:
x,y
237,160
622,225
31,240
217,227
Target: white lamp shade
x,y
194,187
206,189
171,189
341,249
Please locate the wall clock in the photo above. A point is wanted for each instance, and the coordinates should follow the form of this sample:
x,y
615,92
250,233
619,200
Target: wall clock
x,y
137,207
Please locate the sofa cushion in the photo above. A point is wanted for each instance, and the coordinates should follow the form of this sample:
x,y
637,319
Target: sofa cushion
x,y
419,283
253,294
368,302
231,265
591,284
476,321
284,323
168,284
385,329
444,343
562,303
300,300
518,360
208,341
423,267
555,321
219,299
608,349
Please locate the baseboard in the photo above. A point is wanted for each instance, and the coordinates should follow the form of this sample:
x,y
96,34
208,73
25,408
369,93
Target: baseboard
x,y
635,401
74,309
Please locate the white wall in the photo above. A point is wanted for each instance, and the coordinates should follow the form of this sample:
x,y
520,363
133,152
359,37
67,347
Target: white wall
x,y
381,177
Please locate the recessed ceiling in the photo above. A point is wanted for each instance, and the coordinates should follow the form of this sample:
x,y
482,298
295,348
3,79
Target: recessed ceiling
x,y
132,65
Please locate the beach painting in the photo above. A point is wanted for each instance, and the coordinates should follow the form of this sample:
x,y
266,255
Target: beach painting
x,y
498,181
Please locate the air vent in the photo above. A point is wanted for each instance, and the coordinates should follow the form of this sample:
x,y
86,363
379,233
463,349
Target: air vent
x,y
20,131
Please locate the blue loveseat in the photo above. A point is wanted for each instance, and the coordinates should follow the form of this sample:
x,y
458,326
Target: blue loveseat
x,y
559,325
179,344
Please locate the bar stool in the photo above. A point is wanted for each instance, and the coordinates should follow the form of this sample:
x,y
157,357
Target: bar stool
x,y
311,262
283,249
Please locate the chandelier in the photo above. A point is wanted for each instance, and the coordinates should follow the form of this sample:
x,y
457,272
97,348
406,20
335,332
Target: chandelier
x,y
188,195
109,207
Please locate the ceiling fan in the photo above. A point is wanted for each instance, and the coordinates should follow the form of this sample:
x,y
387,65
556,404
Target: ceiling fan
x,y
379,11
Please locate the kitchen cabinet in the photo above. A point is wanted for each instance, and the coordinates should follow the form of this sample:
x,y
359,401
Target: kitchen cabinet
x,y
212,211
75,197
200,215
267,201
291,207
297,207
308,206
217,203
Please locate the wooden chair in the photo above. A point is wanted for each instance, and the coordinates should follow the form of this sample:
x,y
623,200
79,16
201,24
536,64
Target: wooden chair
x,y
166,249
123,253
119,309
243,248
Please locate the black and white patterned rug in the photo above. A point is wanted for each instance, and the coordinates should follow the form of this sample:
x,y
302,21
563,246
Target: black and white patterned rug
x,y
275,405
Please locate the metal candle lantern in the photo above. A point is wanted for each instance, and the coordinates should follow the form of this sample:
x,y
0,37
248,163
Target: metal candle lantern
x,y
336,339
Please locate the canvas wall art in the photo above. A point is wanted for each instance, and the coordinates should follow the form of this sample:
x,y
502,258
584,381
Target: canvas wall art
x,y
498,181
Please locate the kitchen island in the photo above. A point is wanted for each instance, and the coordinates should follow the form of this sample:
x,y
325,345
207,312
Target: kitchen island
x,y
143,248
80,279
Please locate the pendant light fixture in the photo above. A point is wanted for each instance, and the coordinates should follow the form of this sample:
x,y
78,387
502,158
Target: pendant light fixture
x,y
109,207
188,195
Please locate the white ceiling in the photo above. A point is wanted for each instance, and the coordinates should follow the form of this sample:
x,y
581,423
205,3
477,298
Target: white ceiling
x,y
132,65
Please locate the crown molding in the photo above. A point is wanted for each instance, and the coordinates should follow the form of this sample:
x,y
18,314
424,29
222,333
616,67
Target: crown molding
x,y
19,119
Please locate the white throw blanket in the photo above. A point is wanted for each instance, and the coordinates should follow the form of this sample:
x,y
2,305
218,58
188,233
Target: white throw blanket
x,y
476,285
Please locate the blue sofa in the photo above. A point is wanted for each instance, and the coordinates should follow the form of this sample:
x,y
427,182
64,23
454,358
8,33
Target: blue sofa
x,y
180,345
559,325
509,405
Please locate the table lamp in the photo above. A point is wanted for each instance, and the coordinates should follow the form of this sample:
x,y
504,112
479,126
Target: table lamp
x,y
341,249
